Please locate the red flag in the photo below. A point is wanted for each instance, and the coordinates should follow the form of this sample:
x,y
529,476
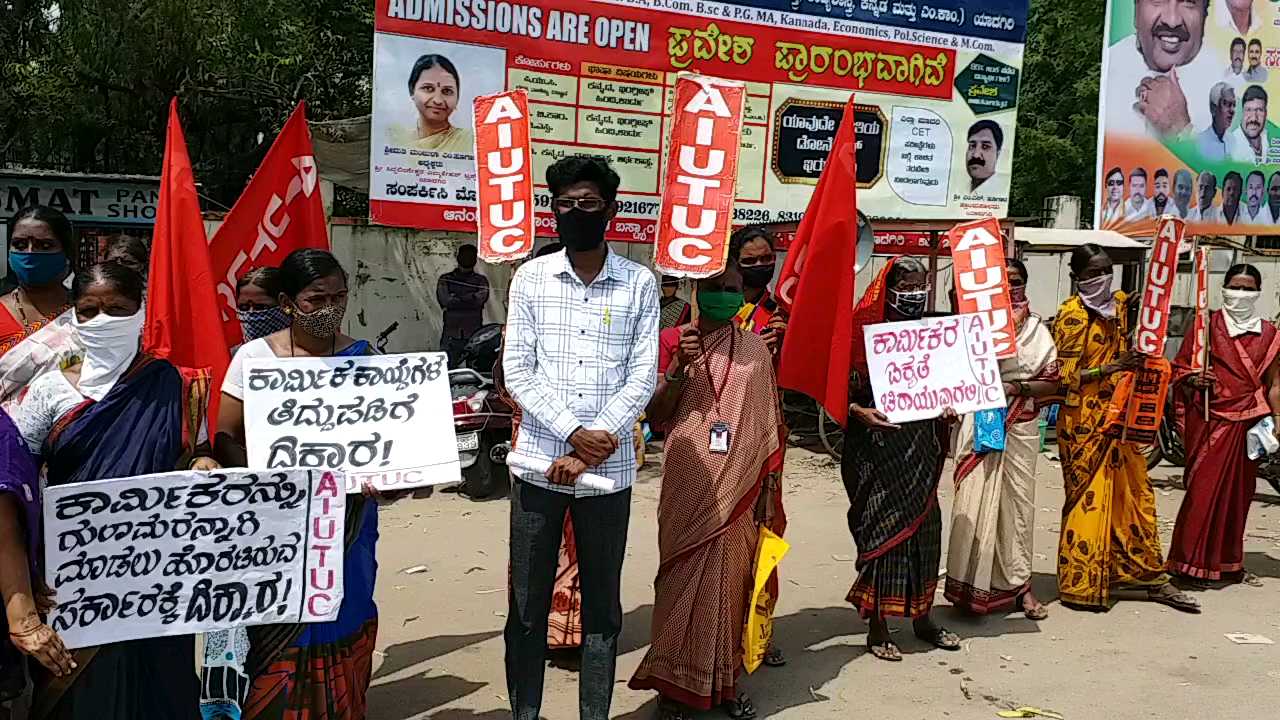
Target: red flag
x,y
816,284
182,305
279,212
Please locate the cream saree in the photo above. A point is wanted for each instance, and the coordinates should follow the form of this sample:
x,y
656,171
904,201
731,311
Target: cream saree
x,y
993,518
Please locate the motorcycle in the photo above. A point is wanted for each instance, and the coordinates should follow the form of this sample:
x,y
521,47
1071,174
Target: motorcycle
x,y
482,419
1169,445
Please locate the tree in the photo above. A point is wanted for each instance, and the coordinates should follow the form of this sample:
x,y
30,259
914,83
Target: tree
x,y
1056,148
88,86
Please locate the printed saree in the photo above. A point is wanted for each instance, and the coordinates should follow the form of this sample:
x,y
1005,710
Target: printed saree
x,y
1109,535
162,406
1208,539
993,514
708,524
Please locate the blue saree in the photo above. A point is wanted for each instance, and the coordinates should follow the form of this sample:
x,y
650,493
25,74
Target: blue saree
x,y
146,424
321,671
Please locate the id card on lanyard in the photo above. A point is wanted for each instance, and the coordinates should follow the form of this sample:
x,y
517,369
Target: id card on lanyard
x,y
721,435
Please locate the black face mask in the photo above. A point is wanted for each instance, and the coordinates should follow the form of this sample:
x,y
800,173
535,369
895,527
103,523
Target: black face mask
x,y
757,276
580,230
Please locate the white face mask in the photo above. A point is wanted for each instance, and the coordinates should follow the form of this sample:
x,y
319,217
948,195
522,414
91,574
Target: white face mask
x,y
1239,309
1097,295
111,344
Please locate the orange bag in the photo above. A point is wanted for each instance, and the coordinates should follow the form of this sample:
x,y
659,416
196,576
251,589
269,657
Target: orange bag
x,y
1137,406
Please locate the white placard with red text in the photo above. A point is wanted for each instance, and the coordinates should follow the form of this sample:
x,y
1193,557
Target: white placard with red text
x,y
187,552
1157,295
919,368
982,281
701,177
504,177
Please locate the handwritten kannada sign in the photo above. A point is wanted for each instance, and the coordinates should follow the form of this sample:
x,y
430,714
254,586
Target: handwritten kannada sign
x,y
919,368
188,552
387,420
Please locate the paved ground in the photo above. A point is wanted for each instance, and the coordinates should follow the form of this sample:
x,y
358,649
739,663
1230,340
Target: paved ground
x,y
440,643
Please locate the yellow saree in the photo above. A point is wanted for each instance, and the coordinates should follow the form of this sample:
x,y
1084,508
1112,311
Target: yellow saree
x,y
1109,535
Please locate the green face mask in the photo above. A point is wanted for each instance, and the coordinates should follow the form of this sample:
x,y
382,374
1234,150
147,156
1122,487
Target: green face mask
x,y
719,305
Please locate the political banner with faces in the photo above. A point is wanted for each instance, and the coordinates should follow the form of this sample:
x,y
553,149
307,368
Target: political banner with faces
x,y
1185,117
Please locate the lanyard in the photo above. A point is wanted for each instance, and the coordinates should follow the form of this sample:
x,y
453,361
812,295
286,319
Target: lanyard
x,y
711,378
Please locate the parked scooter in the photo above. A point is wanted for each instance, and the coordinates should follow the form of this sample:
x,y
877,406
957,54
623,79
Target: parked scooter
x,y
481,418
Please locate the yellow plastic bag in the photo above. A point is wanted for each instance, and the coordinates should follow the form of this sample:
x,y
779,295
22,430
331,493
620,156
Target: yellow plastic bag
x,y
759,630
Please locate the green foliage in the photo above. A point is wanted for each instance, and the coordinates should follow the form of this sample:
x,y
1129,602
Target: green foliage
x,y
88,83
1056,148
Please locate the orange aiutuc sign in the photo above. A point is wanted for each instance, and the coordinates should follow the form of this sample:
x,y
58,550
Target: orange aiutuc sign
x,y
701,177
982,281
1162,270
504,176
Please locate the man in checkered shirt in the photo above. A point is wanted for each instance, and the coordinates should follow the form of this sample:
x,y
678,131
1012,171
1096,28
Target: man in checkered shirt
x,y
581,361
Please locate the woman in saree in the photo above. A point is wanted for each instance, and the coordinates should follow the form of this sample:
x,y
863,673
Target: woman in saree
x,y
319,671
1109,539
41,245
993,515
891,475
72,419
718,397
1242,380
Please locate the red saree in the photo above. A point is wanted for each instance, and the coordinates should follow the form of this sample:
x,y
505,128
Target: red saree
x,y
1208,540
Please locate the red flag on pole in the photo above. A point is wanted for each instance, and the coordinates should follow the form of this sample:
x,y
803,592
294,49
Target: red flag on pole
x,y
280,211
183,326
816,284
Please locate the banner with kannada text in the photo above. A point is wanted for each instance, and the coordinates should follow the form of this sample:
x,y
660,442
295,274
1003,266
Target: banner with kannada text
x,y
937,96
188,552
386,420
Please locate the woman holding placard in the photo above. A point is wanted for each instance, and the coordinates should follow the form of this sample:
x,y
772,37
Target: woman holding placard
x,y
891,475
993,516
315,669
72,419
1109,534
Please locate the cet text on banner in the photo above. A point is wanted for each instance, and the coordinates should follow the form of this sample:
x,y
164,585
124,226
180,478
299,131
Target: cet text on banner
x,y
504,176
982,281
189,552
701,177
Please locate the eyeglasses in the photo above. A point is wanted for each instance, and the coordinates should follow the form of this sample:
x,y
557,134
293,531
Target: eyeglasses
x,y
585,204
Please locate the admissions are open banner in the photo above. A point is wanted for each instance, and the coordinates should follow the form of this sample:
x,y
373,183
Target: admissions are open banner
x,y
936,88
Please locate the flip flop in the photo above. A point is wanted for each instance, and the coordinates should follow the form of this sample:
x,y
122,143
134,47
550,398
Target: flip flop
x,y
1251,580
943,639
887,651
774,658
1177,599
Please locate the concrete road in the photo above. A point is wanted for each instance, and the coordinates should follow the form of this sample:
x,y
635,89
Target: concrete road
x,y
440,640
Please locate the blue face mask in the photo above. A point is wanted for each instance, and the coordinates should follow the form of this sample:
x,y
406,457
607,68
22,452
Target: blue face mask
x,y
33,269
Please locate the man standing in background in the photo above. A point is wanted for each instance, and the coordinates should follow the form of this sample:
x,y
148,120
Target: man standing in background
x,y
462,293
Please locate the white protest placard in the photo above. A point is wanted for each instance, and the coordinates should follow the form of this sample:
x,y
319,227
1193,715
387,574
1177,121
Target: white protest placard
x,y
386,420
188,552
919,368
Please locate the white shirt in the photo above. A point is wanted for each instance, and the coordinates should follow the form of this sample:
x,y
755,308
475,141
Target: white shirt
x,y
1212,216
1262,218
1212,147
48,398
1239,149
1126,68
1222,16
1148,210
581,356
233,382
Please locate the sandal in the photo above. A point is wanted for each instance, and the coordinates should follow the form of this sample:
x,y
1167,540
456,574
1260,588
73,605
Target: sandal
x,y
1037,613
740,709
774,658
887,650
942,638
1174,598
1248,578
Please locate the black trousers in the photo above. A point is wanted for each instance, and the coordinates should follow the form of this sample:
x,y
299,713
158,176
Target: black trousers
x,y
600,529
